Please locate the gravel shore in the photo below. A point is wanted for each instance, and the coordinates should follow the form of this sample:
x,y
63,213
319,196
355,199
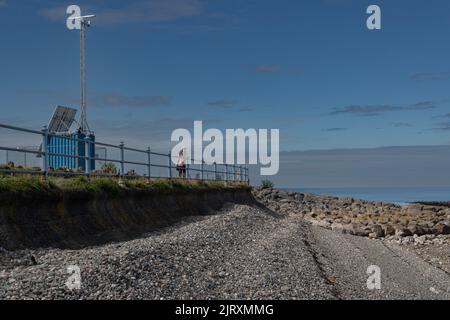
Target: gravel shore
x,y
240,252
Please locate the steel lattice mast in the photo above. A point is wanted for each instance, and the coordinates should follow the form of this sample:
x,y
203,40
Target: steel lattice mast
x,y
84,23
83,120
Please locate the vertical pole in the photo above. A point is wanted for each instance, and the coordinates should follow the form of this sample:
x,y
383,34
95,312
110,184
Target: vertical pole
x,y
170,165
215,171
45,150
203,162
248,175
245,173
87,155
82,77
149,168
226,172
122,158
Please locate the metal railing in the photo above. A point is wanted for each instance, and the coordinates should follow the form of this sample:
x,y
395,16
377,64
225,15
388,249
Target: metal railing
x,y
151,167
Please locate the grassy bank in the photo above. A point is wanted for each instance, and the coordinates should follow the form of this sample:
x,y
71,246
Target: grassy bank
x,y
31,184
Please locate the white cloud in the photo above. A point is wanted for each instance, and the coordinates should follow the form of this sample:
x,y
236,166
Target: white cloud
x,y
139,11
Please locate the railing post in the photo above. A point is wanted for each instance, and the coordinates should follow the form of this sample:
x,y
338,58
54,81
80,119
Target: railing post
x,y
226,173
187,170
215,171
87,155
234,173
245,173
203,162
149,168
122,158
248,175
45,150
170,165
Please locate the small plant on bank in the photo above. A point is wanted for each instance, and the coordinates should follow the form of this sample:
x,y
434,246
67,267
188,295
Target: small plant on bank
x,y
5,167
136,183
131,173
109,168
267,184
109,186
80,170
161,184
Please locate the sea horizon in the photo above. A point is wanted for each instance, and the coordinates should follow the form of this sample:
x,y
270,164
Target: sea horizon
x,y
398,195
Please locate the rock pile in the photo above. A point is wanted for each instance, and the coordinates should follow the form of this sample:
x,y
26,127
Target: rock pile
x,y
359,217
428,239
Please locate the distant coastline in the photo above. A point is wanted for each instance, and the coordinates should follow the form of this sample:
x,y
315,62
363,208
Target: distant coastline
x,y
398,195
435,203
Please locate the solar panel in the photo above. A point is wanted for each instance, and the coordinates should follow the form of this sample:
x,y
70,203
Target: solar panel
x,y
62,119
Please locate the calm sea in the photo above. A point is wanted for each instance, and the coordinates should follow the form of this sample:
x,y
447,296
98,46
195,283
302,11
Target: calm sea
x,y
388,194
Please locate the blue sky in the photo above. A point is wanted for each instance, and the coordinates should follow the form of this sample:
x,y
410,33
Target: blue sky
x,y
310,68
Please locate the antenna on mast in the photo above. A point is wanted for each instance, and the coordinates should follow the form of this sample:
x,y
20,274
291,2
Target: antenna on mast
x,y
85,21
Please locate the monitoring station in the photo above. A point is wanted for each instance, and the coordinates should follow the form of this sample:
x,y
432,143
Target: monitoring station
x,y
69,149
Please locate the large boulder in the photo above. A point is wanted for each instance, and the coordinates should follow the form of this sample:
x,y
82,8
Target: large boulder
x,y
342,228
402,231
417,229
361,230
441,228
413,210
388,230
322,223
282,194
377,230
345,201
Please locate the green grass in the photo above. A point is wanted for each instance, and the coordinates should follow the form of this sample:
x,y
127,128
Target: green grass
x,y
94,185
25,184
166,184
29,183
18,168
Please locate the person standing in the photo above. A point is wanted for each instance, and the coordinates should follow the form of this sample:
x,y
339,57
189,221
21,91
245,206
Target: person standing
x,y
181,164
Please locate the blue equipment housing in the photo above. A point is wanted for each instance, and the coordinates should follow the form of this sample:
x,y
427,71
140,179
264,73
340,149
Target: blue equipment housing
x,y
71,150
